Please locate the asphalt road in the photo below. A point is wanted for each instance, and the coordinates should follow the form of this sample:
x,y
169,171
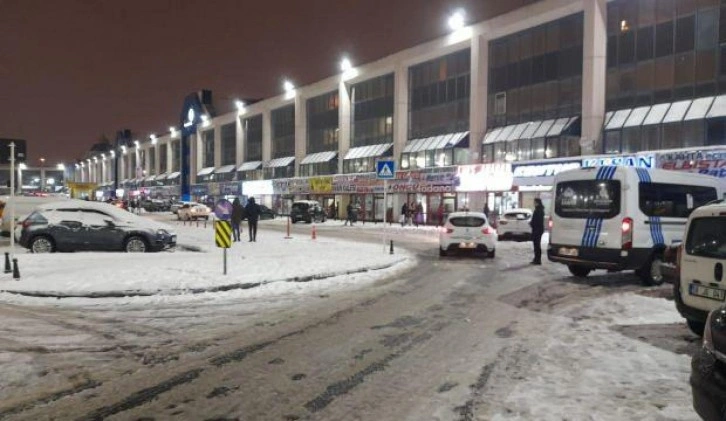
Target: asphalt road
x,y
421,346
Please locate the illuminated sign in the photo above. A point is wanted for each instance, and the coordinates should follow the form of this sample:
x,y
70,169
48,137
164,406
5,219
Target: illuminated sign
x,y
640,161
543,170
485,177
711,163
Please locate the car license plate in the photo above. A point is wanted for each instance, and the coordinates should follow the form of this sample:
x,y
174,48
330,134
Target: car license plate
x,y
567,251
467,245
706,292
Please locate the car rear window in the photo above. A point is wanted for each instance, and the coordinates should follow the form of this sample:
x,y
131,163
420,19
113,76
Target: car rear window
x,y
513,216
36,218
467,221
588,199
300,206
707,237
673,200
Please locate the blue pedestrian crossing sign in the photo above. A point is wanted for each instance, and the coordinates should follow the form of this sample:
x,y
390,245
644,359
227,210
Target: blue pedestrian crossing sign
x,y
386,169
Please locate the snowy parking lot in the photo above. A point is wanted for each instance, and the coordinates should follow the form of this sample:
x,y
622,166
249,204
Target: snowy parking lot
x,y
457,338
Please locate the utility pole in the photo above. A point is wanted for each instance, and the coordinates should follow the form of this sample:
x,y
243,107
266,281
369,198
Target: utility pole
x,y
12,199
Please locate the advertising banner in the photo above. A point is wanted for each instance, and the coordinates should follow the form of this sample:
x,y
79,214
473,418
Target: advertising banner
x,y
485,177
321,185
708,162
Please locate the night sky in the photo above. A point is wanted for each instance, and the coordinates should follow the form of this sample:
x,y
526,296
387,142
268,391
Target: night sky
x,y
72,71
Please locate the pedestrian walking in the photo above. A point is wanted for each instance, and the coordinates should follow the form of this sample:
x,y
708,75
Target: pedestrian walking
x,y
238,214
486,210
404,214
349,214
252,211
537,224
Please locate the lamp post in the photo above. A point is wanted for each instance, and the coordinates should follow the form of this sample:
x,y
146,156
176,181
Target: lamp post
x,y
42,173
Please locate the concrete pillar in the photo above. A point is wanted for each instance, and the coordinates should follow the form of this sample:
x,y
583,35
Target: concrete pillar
x,y
169,157
593,75
266,135
240,142
344,126
195,156
478,96
301,131
400,112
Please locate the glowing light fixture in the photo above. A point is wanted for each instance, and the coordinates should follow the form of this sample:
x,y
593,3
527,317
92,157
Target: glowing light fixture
x,y
457,20
288,86
61,166
240,105
345,65
172,130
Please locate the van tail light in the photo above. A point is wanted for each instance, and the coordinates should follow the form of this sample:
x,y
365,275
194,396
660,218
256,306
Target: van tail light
x,y
550,224
626,229
487,230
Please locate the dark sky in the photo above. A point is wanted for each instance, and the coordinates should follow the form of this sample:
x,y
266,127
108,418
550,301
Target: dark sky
x,y
74,70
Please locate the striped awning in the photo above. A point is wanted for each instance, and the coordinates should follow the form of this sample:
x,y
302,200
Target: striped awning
x,y
225,169
205,171
279,162
436,142
250,166
173,175
317,158
371,151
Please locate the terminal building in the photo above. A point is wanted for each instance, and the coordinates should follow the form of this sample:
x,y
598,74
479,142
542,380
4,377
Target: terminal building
x,y
487,114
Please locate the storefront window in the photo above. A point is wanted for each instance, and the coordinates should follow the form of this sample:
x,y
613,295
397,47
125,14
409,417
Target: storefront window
x,y
671,136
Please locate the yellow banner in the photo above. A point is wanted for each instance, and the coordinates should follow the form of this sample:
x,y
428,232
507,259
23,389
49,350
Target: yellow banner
x,y
321,185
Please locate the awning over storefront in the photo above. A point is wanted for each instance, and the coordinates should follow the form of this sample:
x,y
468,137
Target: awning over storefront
x,y
371,151
532,130
225,169
317,158
173,175
161,177
437,142
205,171
669,112
279,162
250,166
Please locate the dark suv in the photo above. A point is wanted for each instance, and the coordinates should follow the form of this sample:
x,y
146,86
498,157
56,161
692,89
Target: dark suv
x,y
708,369
307,210
75,225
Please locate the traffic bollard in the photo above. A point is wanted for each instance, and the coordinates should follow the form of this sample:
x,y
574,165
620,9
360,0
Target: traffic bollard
x,y
314,236
391,246
7,263
16,271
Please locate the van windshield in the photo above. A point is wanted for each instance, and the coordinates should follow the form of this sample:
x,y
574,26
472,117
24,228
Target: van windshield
x,y
588,199
707,237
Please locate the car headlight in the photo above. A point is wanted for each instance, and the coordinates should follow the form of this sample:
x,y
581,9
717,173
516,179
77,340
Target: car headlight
x,y
162,232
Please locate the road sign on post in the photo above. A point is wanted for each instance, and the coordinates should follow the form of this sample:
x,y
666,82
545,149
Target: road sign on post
x,y
223,238
223,210
385,170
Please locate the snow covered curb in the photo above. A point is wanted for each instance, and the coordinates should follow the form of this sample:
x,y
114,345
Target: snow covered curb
x,y
219,288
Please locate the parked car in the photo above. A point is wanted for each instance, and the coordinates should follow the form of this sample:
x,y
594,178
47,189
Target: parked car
x,y
154,205
702,286
76,225
307,210
194,211
708,369
266,213
669,265
514,223
24,205
467,231
174,207
121,204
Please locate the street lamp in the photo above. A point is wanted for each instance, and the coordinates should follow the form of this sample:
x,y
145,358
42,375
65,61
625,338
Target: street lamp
x,y
457,20
240,106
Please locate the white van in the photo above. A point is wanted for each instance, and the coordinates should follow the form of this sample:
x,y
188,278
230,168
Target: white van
x,y
621,218
701,260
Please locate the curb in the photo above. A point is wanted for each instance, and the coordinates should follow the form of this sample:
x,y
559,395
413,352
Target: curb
x,y
220,288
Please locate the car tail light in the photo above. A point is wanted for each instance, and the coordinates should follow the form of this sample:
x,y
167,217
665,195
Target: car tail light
x,y
626,229
487,230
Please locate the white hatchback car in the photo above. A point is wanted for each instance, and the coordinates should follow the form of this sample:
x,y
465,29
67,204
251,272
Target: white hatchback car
x,y
467,231
702,284
188,212
514,223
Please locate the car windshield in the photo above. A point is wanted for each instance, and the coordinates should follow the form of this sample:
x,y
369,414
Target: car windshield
x,y
707,238
467,221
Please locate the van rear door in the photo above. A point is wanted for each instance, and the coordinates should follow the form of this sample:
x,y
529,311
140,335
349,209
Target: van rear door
x,y
704,259
587,211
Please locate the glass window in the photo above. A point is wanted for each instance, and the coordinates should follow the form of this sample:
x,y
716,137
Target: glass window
x,y
693,133
699,108
208,148
645,76
588,198
618,119
707,29
685,33
283,131
677,111
664,39
664,73
673,200
611,142
538,148
665,10
626,47
716,131
686,7
228,133
705,66
612,51
671,138
684,69
645,46
253,138
637,116
631,140
322,116
650,137
707,238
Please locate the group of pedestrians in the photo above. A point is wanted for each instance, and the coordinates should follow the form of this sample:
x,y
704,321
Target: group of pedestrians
x,y
411,214
250,212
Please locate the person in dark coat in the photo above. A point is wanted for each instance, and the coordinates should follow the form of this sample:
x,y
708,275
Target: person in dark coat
x,y
537,224
238,214
349,214
404,214
252,211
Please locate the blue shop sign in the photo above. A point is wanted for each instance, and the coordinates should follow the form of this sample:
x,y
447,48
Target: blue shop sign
x,y
639,161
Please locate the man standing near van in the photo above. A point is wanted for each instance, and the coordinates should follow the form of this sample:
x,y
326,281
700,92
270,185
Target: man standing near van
x,y
537,224
252,210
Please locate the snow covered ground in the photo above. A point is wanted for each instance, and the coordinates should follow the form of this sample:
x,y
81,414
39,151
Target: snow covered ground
x,y
272,259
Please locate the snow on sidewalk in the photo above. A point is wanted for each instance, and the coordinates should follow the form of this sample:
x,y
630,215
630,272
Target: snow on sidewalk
x,y
270,259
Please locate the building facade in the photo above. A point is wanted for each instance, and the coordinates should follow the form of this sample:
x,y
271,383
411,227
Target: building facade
x,y
486,114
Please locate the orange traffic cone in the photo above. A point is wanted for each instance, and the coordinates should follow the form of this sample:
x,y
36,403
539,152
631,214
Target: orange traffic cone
x,y
314,236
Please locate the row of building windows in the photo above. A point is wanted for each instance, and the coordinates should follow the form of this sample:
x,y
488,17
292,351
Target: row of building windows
x,y
319,168
693,133
208,148
283,131
526,149
323,128
253,138
372,111
228,134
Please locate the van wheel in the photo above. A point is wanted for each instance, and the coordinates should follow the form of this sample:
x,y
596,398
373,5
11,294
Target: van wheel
x,y
651,273
579,271
696,327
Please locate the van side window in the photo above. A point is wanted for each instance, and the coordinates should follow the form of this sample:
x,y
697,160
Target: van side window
x,y
588,199
673,200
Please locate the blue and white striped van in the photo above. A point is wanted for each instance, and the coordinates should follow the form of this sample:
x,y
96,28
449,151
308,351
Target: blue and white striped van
x,y
622,218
